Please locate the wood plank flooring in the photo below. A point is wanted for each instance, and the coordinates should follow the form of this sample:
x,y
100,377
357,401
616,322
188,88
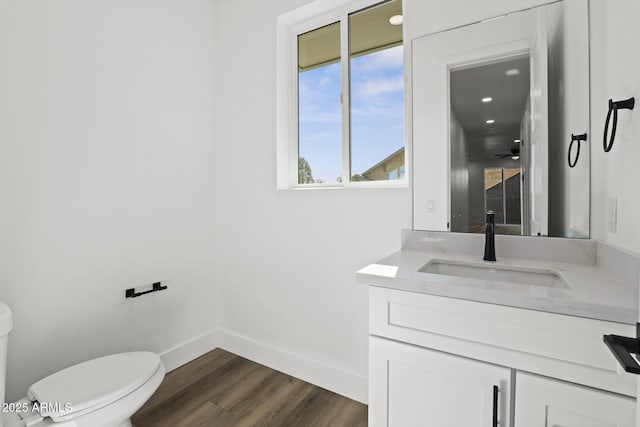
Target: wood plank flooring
x,y
221,389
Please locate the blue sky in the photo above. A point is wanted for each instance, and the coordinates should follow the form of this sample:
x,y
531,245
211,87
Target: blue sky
x,y
377,113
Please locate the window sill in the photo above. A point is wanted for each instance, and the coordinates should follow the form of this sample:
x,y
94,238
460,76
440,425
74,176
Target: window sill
x,y
404,184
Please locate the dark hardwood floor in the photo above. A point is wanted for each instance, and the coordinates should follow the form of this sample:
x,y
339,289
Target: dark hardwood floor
x,y
222,389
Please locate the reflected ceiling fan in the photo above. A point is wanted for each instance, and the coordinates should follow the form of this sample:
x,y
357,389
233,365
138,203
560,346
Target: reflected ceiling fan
x,y
514,154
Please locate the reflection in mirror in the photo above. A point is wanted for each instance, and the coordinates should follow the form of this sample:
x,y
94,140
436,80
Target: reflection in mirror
x,y
488,106
516,89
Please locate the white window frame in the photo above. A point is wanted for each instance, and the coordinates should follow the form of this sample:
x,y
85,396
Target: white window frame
x,y
299,21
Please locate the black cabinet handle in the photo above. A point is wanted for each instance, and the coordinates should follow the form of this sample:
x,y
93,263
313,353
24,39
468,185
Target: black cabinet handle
x,y
622,348
614,106
575,138
496,390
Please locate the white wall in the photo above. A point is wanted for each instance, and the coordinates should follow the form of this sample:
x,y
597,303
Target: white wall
x,y
615,73
288,295
106,178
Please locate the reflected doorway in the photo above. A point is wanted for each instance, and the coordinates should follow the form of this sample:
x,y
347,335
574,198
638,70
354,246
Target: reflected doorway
x,y
490,118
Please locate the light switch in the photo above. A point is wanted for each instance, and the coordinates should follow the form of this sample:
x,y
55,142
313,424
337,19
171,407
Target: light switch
x,y
431,205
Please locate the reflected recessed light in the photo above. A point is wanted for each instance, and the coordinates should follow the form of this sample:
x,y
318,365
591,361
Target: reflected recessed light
x,y
490,121
513,72
515,157
517,141
487,99
395,20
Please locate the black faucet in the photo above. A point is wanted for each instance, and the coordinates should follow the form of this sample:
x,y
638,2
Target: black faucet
x,y
490,237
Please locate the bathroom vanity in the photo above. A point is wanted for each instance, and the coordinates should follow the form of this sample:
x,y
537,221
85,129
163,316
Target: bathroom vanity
x,y
522,349
500,97
458,341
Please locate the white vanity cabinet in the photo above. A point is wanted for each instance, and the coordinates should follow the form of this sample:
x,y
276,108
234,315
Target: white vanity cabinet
x,y
544,402
414,386
435,361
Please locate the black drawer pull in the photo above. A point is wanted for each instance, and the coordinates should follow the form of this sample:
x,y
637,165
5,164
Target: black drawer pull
x,y
496,390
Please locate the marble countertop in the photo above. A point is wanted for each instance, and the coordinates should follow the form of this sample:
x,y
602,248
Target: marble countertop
x,y
592,292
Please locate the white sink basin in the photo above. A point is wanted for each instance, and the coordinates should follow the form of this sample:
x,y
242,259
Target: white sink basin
x,y
496,273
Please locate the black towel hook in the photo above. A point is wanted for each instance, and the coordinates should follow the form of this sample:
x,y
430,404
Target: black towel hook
x,y
614,106
575,138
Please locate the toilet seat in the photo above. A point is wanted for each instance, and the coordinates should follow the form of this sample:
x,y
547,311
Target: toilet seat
x,y
91,385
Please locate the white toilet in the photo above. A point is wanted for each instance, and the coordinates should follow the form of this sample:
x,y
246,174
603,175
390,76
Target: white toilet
x,y
102,392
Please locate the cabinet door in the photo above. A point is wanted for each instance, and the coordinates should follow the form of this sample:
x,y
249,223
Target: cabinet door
x,y
414,386
544,402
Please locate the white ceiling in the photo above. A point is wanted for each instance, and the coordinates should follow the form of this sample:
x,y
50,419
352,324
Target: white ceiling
x,y
510,94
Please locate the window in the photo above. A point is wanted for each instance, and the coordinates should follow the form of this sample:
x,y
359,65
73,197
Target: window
x,y
319,106
341,112
502,194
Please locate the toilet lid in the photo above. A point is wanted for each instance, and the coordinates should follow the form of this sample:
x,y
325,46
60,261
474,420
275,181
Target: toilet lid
x,y
94,384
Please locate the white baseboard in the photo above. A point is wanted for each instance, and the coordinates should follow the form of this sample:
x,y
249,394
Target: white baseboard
x,y
329,377
187,351
320,374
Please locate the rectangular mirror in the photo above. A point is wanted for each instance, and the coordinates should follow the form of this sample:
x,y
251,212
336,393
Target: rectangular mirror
x,y
495,107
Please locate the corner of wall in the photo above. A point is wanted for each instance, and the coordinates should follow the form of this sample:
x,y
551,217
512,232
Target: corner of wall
x,y
189,350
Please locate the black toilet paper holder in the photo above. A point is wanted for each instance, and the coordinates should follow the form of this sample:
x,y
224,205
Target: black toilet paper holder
x,y
131,292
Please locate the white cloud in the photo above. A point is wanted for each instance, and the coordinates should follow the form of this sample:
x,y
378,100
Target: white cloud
x,y
383,60
384,112
319,92
320,116
322,137
325,81
304,89
374,87
333,69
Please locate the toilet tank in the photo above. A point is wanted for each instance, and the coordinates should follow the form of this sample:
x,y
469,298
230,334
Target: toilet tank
x,y
5,327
